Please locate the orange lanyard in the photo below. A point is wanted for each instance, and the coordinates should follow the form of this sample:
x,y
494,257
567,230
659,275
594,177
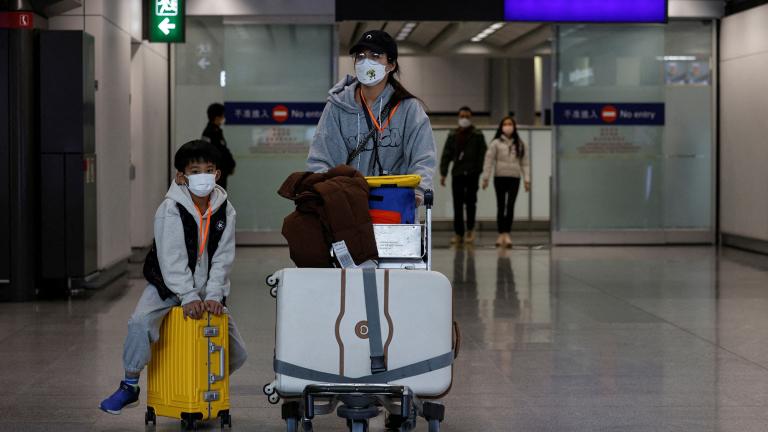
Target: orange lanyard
x,y
375,121
204,234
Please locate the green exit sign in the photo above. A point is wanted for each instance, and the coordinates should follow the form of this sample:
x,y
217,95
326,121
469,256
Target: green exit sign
x,y
164,20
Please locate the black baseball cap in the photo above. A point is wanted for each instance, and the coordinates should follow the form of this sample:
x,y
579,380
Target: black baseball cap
x,y
377,41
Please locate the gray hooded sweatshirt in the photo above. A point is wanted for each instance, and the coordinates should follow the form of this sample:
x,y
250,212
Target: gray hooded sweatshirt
x,y
407,145
172,252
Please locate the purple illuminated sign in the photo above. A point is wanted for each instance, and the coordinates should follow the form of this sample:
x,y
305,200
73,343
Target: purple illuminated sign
x,y
637,11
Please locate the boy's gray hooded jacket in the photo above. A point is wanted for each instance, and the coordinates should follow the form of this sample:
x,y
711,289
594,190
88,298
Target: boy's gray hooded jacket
x,y
172,251
407,145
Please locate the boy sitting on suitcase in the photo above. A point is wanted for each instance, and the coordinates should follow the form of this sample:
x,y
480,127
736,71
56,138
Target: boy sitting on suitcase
x,y
188,265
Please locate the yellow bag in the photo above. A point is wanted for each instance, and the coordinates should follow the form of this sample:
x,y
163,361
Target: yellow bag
x,y
408,181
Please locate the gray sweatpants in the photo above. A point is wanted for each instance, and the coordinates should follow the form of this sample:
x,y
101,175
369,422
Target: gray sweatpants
x,y
144,330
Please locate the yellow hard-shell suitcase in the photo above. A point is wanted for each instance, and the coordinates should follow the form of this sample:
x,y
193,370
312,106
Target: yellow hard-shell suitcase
x,y
408,181
188,376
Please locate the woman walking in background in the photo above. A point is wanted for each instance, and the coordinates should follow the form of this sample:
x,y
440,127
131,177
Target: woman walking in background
x,y
507,160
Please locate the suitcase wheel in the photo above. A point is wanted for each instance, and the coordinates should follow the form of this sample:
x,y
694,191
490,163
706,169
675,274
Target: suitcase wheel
x,y
273,292
226,419
272,281
189,420
150,416
269,389
274,399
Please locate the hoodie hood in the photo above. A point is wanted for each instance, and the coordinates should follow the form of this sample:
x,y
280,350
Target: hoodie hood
x,y
342,95
180,194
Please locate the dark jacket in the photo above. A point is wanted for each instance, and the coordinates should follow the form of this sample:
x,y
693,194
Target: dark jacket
x,y
215,135
152,271
330,207
467,158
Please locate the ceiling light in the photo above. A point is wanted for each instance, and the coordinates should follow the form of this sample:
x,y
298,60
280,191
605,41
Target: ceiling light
x,y
488,31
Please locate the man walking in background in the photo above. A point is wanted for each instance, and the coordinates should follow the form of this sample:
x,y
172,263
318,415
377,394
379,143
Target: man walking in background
x,y
215,136
465,147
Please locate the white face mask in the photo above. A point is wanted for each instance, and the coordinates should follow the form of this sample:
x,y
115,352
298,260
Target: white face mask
x,y
465,122
201,185
369,72
508,130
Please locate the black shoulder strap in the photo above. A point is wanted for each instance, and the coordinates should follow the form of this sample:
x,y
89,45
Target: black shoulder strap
x,y
190,236
218,225
372,134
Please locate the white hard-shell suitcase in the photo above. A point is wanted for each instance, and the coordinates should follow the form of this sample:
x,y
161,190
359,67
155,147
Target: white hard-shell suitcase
x,y
322,329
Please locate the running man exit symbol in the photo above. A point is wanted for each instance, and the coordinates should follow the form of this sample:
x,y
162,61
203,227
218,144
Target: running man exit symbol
x,y
167,8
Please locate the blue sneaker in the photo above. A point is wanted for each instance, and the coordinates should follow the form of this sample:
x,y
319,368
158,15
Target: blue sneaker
x,y
125,396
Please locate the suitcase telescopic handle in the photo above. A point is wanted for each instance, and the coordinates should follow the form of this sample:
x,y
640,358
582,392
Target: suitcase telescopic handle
x,y
213,348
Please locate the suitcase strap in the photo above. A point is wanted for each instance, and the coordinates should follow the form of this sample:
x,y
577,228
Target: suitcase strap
x,y
419,368
378,364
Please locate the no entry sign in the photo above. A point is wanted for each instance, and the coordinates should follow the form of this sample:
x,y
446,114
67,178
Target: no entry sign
x,y
616,114
273,113
17,20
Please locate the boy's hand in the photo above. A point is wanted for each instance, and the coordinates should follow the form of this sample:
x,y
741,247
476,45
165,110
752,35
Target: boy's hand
x,y
194,309
214,307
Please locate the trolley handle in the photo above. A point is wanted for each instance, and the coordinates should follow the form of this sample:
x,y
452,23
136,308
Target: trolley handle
x,y
429,198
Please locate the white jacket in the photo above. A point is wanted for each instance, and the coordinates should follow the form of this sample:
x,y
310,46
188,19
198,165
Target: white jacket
x,y
172,252
501,160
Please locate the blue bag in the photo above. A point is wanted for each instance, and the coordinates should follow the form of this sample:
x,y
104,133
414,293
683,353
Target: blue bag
x,y
388,202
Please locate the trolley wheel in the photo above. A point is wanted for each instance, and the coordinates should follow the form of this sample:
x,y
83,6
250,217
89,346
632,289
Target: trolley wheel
x,y
150,417
434,426
307,425
292,424
268,389
393,422
358,425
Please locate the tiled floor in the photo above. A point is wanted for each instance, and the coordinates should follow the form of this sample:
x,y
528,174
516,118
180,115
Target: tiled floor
x,y
568,339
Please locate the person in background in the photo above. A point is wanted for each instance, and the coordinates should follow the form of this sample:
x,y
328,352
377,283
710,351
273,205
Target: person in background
x,y
465,147
372,123
507,160
214,135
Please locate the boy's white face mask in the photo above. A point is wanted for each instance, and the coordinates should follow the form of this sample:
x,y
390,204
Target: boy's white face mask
x,y
201,185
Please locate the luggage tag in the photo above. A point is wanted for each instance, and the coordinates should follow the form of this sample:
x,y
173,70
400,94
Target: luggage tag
x,y
342,254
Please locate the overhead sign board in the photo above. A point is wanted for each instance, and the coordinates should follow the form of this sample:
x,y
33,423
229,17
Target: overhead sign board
x,y
165,20
613,114
600,11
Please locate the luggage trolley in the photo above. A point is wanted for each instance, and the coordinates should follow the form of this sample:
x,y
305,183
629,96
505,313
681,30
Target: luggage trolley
x,y
407,247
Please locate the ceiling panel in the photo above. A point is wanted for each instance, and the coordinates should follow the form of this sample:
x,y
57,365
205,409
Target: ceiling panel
x,y
346,32
426,31
445,38
510,32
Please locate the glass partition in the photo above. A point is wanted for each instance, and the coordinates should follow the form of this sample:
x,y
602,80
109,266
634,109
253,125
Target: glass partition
x,y
253,63
645,182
